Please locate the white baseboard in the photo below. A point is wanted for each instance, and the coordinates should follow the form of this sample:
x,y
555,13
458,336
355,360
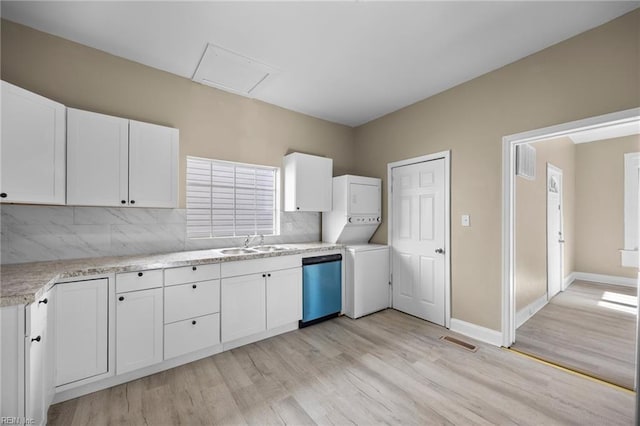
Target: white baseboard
x,y
530,310
568,280
606,279
477,332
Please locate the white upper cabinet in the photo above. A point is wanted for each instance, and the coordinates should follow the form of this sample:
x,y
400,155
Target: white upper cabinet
x,y
97,159
307,183
119,162
153,165
32,149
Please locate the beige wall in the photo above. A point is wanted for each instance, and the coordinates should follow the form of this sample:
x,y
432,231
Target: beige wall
x,y
212,123
600,205
591,74
531,220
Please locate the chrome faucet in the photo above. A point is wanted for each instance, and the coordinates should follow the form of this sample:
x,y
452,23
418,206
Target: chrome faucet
x,y
250,239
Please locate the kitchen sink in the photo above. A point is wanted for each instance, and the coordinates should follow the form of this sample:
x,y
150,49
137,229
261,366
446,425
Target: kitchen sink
x,y
238,251
270,248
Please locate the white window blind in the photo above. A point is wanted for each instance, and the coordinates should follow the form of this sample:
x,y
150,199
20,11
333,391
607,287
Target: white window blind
x,y
227,199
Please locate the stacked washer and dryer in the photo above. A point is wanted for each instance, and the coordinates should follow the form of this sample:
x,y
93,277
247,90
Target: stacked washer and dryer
x,y
355,216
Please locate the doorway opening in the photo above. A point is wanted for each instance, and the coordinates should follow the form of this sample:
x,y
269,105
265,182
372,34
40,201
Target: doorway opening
x,y
576,268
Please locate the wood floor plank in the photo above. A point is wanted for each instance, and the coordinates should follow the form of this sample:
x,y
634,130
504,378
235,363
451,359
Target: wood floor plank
x,y
590,327
386,368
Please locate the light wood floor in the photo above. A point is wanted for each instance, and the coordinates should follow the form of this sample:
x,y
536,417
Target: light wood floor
x,y
385,368
575,331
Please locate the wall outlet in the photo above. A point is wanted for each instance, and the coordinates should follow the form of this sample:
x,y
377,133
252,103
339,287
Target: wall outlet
x,y
465,220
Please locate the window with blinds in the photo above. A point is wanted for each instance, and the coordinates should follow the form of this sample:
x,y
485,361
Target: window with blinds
x,y
226,199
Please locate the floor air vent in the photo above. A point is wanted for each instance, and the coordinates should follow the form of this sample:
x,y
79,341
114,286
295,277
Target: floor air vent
x,y
465,345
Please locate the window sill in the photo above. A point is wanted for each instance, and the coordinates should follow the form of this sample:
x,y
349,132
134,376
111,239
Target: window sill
x,y
629,258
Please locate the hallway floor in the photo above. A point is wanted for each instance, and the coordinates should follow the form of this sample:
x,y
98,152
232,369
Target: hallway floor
x,y
589,328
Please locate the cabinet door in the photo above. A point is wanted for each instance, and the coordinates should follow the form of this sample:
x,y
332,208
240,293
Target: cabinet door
x,y
284,297
153,165
308,183
35,355
81,330
242,306
32,149
97,159
138,329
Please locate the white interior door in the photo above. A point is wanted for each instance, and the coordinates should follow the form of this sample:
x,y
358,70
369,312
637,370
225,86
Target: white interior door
x,y
555,239
418,237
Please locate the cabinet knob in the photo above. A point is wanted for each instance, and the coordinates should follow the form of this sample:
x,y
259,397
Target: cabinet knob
x,y
36,339
121,298
45,301
193,322
140,274
132,201
194,286
194,268
124,201
297,208
3,195
264,275
268,275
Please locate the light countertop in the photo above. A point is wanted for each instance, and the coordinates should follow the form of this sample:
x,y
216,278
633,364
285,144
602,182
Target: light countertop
x,y
23,283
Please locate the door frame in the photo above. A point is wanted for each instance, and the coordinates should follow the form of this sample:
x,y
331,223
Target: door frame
x,y
557,170
508,199
442,155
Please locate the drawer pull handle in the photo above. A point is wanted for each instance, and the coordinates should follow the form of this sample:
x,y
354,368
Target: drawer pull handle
x,y
36,339
121,298
194,268
193,322
194,286
45,301
140,274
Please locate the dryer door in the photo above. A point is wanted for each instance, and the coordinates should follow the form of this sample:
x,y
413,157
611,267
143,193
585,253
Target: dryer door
x,y
364,199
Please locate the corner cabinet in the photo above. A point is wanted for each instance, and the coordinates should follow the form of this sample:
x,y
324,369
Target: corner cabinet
x,y
82,330
32,148
308,183
114,161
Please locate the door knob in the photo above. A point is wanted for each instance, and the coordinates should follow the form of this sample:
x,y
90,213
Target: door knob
x,y
440,250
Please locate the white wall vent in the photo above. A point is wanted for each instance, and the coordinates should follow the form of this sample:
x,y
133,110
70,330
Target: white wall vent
x,y
230,71
526,161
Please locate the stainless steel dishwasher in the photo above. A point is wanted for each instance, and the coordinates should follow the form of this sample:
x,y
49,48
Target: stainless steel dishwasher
x,y
321,288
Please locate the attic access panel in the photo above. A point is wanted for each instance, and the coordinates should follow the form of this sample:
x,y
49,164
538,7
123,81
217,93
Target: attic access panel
x,y
230,71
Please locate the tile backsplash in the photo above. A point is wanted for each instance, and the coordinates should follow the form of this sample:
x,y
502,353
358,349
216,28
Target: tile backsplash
x,y
33,233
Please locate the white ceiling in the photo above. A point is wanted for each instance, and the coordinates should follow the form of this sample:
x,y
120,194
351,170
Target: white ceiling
x,y
346,62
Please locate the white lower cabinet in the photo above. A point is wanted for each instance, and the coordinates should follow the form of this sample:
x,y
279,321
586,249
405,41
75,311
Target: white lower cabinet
x,y
183,337
37,352
260,302
139,327
243,307
284,297
82,330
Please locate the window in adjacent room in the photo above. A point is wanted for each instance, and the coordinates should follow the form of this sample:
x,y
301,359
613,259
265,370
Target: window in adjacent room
x,y
226,199
631,213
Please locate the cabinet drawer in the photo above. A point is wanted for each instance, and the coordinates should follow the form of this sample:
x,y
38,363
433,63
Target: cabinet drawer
x,y
190,335
141,280
191,300
188,274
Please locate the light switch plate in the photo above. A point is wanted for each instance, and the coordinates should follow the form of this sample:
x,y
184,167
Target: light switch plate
x,y
465,220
